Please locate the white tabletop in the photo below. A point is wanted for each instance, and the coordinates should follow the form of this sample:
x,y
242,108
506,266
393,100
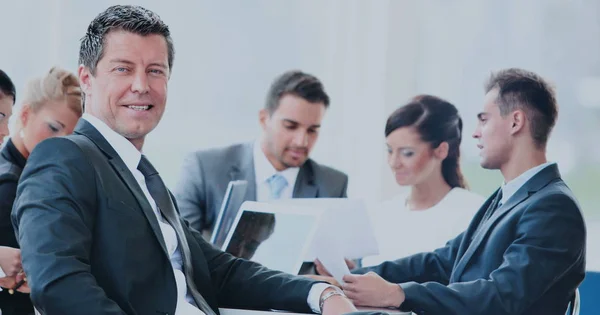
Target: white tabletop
x,y
231,311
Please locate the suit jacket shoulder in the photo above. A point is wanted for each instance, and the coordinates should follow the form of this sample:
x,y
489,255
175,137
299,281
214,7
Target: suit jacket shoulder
x,y
224,157
330,182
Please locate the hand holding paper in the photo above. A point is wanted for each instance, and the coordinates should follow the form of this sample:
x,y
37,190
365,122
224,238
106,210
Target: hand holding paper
x,y
331,258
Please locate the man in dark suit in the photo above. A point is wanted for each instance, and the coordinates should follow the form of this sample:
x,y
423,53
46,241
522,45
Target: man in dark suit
x,y
524,251
99,231
277,166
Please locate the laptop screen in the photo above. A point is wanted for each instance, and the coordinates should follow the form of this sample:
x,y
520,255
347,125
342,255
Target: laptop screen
x,y
234,197
277,240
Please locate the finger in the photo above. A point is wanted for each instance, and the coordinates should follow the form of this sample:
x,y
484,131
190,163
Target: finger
x,y
351,265
24,288
350,287
350,294
320,268
21,276
350,278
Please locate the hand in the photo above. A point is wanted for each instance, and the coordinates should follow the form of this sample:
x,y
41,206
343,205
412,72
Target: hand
x,y
336,305
372,290
322,271
24,288
8,282
327,279
10,261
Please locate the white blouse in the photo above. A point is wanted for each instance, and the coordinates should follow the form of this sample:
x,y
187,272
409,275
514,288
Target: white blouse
x,y
401,232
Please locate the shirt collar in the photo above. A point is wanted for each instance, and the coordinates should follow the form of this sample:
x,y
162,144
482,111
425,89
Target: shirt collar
x,y
510,188
124,148
263,169
14,153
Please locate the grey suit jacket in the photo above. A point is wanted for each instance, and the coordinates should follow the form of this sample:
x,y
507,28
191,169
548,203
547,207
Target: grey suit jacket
x,y
207,173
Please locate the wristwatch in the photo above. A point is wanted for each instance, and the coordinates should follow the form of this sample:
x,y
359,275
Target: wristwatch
x,y
336,291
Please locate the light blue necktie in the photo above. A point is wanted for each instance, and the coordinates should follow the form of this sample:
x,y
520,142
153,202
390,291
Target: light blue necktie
x,y
276,184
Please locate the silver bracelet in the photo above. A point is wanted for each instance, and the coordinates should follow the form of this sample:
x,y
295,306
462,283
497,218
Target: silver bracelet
x,y
328,295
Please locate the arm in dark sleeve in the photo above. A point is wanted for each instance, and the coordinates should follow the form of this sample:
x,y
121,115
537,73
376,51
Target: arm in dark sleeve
x,y
433,266
8,191
190,193
244,284
549,243
54,217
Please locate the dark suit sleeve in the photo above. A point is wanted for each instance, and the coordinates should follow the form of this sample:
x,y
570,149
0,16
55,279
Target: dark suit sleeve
x,y
190,193
8,190
433,266
550,240
54,217
244,284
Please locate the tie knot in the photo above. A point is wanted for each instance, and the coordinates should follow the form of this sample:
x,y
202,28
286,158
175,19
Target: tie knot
x,y
146,168
277,183
498,201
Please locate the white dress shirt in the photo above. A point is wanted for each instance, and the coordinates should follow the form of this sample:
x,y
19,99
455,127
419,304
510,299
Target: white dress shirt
x,y
510,188
263,170
131,156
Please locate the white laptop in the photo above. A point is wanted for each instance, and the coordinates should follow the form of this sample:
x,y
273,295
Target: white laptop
x,y
276,236
234,197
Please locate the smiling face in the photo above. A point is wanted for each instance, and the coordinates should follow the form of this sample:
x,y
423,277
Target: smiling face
x,y
128,92
412,160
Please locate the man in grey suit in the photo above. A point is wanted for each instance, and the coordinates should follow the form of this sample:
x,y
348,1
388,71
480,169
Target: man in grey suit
x,y
276,166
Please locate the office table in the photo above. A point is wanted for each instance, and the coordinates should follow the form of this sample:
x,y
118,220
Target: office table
x,y
231,311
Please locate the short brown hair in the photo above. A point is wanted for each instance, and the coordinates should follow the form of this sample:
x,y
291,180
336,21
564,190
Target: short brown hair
x,y
297,83
525,90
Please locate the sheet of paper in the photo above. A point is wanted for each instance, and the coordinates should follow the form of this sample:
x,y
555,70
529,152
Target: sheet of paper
x,y
345,224
333,260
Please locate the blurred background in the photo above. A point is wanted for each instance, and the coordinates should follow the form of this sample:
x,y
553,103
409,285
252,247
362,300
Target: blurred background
x,y
372,57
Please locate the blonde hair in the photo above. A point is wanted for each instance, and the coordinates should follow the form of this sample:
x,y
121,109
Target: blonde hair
x,y
57,85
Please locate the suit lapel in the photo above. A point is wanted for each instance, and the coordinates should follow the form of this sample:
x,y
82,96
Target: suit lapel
x,y
86,129
305,186
243,169
537,182
487,227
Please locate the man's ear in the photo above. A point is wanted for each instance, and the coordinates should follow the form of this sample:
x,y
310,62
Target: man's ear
x,y
263,118
518,119
85,76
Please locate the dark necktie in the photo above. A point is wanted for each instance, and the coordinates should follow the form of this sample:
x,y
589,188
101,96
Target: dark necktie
x,y
490,211
161,196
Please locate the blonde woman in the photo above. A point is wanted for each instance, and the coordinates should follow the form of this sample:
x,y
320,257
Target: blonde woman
x,y
52,105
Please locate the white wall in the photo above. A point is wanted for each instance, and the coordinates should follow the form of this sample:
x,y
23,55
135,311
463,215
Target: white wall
x,y
371,55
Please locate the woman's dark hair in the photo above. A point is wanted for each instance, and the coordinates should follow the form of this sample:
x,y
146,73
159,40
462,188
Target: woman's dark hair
x,y
436,121
7,87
